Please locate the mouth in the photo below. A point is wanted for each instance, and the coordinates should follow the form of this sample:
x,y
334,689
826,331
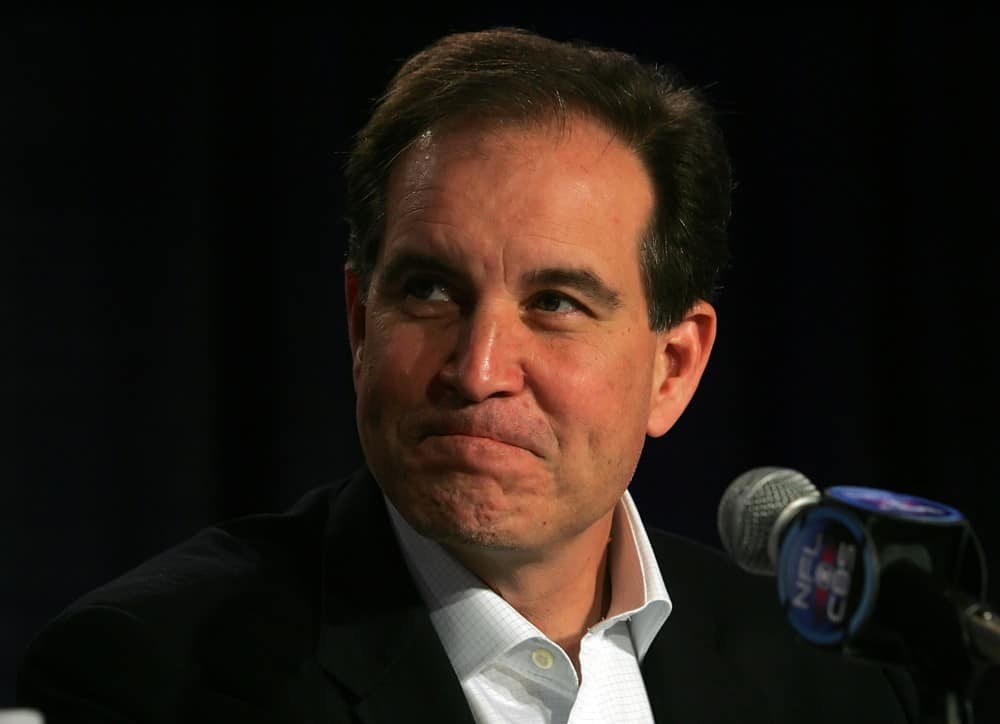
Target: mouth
x,y
484,433
475,441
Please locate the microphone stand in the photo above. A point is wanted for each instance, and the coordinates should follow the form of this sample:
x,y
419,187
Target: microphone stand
x,y
950,700
947,641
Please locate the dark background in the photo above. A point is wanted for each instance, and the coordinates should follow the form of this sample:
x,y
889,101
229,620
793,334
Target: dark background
x,y
171,244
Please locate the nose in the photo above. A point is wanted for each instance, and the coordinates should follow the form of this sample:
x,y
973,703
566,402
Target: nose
x,y
488,357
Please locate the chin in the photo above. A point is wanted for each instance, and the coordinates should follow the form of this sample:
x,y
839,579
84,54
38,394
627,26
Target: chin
x,y
447,533
463,514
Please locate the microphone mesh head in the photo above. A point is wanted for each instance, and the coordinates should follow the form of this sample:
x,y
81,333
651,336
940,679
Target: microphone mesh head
x,y
749,510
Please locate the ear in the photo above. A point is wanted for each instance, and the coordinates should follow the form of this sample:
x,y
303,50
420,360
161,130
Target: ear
x,y
681,356
355,318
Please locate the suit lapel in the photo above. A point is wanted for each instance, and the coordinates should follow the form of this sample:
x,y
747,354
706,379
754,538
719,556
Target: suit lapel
x,y
688,680
377,639
687,674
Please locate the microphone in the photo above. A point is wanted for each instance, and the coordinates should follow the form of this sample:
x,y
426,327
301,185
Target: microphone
x,y
883,576
754,512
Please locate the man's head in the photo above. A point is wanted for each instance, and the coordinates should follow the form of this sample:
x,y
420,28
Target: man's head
x,y
507,363
510,75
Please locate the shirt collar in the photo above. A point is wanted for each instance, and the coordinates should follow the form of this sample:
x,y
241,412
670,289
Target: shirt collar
x,y
476,626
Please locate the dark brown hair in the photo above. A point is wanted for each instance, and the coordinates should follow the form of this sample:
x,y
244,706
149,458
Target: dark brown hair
x,y
509,74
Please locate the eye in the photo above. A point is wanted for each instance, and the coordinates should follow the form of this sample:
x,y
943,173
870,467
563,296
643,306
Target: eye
x,y
556,302
426,289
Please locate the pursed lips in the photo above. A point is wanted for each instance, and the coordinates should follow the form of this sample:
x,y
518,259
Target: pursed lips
x,y
489,429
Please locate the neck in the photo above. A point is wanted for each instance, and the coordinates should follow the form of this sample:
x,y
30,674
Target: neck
x,y
563,590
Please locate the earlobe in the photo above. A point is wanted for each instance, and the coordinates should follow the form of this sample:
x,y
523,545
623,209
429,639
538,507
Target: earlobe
x,y
355,317
682,355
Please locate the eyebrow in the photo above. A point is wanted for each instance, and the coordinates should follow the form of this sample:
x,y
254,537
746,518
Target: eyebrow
x,y
581,279
398,265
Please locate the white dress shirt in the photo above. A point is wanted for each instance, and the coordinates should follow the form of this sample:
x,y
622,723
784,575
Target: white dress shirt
x,y
510,671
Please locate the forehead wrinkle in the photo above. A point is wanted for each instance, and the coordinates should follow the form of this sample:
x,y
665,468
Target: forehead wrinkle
x,y
569,242
456,250
408,211
417,199
414,199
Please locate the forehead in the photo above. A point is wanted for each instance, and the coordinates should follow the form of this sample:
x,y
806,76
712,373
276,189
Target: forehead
x,y
574,145
562,182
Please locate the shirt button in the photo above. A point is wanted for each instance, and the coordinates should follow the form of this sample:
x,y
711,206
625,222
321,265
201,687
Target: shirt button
x,y
542,658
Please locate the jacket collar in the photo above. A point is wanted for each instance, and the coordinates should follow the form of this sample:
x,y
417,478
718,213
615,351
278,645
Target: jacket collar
x,y
376,638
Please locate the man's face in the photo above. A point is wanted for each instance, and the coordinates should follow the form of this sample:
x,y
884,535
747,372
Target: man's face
x,y
505,371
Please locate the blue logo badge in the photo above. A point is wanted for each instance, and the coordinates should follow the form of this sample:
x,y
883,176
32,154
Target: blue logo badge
x,y
826,580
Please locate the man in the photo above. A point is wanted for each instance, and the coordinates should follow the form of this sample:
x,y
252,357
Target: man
x,y
536,232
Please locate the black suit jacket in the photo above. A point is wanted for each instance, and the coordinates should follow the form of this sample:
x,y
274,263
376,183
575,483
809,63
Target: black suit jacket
x,y
311,616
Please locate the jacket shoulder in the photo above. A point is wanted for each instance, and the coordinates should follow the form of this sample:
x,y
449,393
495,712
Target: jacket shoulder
x,y
238,599
231,564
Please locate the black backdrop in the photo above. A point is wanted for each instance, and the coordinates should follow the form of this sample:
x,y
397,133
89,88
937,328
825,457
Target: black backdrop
x,y
172,247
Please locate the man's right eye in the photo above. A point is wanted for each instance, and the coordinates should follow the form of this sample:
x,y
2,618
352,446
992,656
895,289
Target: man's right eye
x,y
426,289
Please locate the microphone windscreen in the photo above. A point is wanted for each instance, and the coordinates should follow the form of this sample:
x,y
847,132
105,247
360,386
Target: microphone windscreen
x,y
749,511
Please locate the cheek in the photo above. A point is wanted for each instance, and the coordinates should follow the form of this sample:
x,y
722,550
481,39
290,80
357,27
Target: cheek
x,y
599,383
599,407
397,364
